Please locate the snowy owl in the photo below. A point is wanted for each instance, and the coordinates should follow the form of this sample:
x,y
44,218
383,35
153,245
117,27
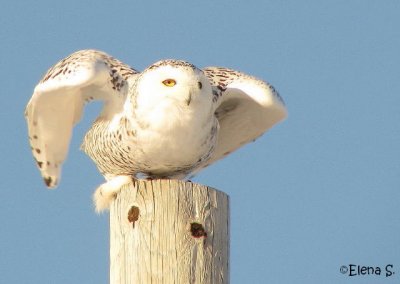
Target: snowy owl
x,y
169,121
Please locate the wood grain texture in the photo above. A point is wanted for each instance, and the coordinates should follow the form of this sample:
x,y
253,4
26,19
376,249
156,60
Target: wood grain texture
x,y
168,231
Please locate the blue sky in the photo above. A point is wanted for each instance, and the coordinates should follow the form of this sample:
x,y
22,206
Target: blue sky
x,y
319,191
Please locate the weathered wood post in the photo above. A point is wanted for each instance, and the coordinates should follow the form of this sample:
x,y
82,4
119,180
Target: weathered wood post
x,y
169,231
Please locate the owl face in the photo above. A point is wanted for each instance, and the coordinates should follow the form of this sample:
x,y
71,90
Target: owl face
x,y
177,83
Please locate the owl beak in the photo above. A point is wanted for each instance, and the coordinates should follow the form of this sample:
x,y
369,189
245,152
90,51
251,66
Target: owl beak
x,y
189,99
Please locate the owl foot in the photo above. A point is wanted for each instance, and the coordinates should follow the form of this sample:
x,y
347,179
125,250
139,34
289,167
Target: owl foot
x,y
107,192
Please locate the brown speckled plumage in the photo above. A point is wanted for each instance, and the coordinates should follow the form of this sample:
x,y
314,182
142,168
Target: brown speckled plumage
x,y
147,127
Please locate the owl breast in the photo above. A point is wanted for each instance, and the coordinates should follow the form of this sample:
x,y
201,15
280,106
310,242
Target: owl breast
x,y
172,150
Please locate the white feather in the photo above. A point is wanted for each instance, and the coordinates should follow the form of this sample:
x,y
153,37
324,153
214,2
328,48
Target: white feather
x,y
246,108
147,128
57,105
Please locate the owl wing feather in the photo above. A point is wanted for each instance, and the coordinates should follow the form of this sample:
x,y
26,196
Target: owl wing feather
x,y
58,100
246,107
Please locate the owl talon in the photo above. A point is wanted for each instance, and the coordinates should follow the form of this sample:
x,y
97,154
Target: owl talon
x,y
107,192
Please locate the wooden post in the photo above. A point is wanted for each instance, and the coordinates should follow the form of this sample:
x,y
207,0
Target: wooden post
x,y
169,231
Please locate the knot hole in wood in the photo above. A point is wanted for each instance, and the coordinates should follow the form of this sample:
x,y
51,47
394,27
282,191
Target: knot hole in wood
x,y
133,215
197,230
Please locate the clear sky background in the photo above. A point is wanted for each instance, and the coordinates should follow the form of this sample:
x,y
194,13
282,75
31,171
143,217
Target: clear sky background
x,y
319,191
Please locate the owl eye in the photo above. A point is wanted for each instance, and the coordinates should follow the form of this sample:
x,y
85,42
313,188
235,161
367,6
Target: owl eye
x,y
169,82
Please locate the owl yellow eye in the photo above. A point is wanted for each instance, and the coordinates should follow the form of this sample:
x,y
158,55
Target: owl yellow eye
x,y
169,82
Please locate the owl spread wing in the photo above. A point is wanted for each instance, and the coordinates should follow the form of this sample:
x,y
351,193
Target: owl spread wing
x,y
58,100
245,107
